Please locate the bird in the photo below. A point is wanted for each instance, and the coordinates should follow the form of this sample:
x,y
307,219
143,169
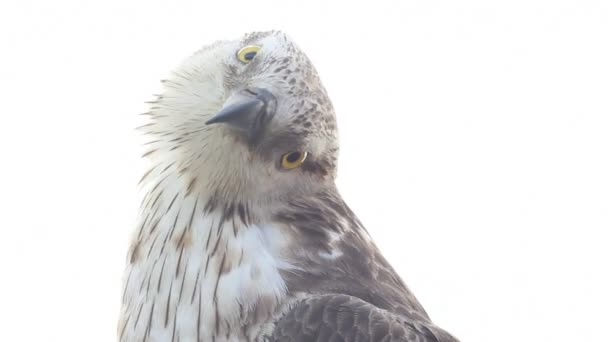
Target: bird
x,y
242,234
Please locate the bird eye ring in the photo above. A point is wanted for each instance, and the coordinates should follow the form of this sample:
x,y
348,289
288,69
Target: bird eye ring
x,y
292,160
247,53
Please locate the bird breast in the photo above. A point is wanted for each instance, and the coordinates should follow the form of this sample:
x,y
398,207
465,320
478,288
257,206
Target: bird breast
x,y
199,275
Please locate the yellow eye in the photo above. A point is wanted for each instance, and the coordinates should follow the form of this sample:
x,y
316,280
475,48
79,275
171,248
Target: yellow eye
x,y
247,53
292,160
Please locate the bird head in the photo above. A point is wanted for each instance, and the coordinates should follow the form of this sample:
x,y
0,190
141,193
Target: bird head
x,y
245,120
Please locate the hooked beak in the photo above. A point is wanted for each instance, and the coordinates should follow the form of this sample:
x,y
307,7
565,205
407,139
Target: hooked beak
x,y
248,111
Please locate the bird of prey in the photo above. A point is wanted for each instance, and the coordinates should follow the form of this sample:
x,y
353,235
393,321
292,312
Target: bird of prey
x,y
242,234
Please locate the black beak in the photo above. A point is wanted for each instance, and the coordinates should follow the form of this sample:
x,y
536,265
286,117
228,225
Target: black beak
x,y
249,111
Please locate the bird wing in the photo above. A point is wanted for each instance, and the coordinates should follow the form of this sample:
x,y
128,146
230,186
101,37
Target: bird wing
x,y
343,318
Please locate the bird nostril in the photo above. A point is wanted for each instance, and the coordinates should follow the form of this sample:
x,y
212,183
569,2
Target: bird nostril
x,y
250,92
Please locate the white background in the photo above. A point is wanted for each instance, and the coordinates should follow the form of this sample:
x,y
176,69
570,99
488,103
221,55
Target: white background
x,y
474,148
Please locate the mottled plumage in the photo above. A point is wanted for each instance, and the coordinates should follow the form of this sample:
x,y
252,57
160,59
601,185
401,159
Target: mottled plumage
x,y
233,245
